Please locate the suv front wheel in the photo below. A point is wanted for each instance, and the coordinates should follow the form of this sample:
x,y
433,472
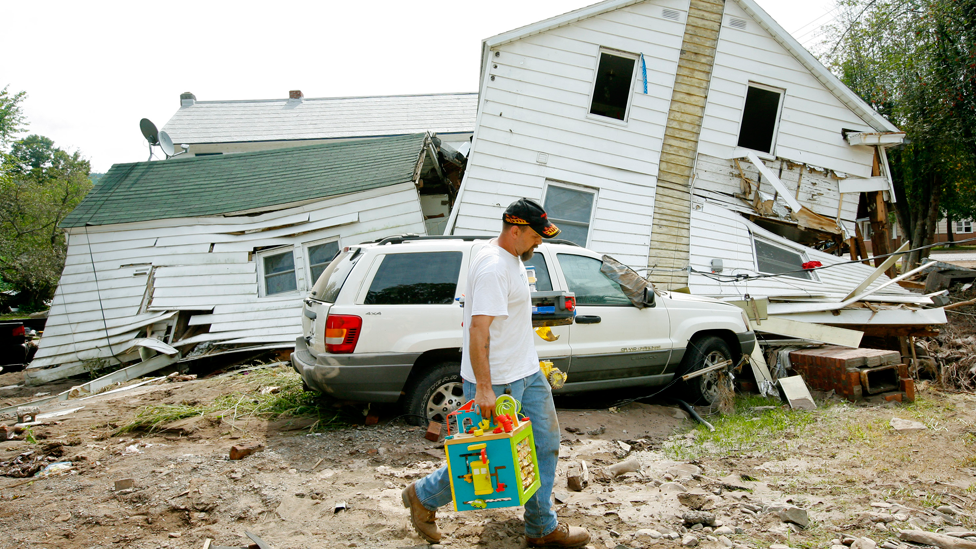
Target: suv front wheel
x,y
436,393
702,353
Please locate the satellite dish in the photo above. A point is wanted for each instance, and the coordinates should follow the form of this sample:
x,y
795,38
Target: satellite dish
x,y
166,144
149,131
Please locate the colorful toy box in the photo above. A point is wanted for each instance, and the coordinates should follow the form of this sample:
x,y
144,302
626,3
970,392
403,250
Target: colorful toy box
x,y
492,464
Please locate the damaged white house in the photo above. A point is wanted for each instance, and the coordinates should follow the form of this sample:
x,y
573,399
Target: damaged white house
x,y
699,141
195,256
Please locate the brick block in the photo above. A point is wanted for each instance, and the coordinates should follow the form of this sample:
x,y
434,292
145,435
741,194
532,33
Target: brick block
x,y
433,431
907,386
893,396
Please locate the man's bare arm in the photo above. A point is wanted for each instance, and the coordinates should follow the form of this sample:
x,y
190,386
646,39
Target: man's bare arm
x,y
478,343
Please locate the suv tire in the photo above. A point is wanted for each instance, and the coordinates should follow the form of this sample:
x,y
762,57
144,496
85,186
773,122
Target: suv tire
x,y
434,394
704,352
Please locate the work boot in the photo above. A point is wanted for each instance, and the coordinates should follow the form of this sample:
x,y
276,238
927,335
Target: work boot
x,y
421,517
563,536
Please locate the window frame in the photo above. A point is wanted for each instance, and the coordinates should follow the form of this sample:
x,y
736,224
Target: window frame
x,y
577,188
630,94
308,257
959,226
779,118
803,257
259,257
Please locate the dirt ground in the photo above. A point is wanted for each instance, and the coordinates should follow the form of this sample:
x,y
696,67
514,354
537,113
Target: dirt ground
x,y
841,469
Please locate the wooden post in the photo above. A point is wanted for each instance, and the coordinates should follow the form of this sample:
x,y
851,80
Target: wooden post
x,y
878,214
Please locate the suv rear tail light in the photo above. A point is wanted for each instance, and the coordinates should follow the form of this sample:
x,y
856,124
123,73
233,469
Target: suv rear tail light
x,y
19,331
342,333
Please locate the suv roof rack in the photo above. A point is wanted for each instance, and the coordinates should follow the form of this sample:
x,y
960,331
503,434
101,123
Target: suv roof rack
x,y
405,237
399,239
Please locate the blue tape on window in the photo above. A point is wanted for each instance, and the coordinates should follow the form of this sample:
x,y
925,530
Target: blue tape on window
x,y
644,72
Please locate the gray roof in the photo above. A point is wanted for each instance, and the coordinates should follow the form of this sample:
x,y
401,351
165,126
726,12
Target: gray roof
x,y
325,118
213,185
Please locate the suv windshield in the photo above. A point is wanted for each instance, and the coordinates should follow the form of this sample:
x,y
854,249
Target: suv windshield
x,y
327,287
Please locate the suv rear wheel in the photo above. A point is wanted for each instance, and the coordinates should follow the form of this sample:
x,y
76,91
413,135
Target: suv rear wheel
x,y
702,353
436,393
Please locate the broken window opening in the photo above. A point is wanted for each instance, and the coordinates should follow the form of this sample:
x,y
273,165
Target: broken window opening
x,y
571,209
611,88
774,259
278,272
760,118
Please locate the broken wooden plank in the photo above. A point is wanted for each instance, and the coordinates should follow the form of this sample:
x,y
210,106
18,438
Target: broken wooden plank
x,y
775,182
878,271
810,331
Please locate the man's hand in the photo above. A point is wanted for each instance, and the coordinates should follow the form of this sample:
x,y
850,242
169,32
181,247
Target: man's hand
x,y
484,397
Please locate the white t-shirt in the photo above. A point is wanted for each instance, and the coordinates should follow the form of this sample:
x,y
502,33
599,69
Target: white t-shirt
x,y
498,286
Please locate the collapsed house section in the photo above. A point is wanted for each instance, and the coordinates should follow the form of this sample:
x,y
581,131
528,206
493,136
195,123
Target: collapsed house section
x,y
200,256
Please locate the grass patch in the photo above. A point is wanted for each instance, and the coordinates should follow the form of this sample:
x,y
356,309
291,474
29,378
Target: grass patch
x,y
747,429
256,400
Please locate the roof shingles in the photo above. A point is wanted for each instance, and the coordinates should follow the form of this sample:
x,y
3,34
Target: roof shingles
x,y
213,185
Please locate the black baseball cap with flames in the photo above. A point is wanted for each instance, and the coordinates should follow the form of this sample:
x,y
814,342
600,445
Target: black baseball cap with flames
x,y
526,212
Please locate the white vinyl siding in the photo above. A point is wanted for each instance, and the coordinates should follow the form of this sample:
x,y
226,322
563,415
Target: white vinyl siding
x,y
538,101
203,265
812,117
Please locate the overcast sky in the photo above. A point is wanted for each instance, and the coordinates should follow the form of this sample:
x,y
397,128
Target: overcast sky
x,y
93,69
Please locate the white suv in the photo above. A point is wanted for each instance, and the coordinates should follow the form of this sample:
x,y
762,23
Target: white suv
x,y
383,324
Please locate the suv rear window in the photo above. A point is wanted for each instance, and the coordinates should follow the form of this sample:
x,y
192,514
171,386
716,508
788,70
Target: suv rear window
x,y
428,278
329,283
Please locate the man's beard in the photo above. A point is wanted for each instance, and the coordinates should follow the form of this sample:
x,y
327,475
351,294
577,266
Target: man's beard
x,y
527,254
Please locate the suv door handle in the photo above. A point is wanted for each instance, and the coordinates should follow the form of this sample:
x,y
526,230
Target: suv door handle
x,y
588,319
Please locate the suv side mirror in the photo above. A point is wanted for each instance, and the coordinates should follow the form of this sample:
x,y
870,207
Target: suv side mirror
x,y
649,296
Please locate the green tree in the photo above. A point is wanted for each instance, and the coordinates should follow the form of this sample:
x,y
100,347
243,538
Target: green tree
x,y
11,116
39,185
914,61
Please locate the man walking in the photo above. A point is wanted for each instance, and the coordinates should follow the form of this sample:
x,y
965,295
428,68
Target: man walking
x,y
499,357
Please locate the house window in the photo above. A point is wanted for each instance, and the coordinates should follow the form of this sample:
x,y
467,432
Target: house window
x,y
415,279
965,226
611,89
319,256
773,259
760,118
571,209
278,272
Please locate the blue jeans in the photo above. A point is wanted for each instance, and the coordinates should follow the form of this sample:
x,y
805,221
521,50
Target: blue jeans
x,y
534,393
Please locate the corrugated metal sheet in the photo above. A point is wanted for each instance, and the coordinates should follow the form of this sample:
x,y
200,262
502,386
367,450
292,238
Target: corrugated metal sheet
x,y
328,118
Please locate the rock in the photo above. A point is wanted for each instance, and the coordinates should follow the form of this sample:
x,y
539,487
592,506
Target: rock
x,y
698,517
881,526
241,451
881,505
124,484
939,540
779,546
689,541
680,414
598,431
684,471
725,541
629,466
672,487
864,543
623,445
724,531
646,534
794,514
175,535
577,476
848,540
436,546
696,527
890,545
947,509
918,523
711,538
694,500
899,424
838,546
